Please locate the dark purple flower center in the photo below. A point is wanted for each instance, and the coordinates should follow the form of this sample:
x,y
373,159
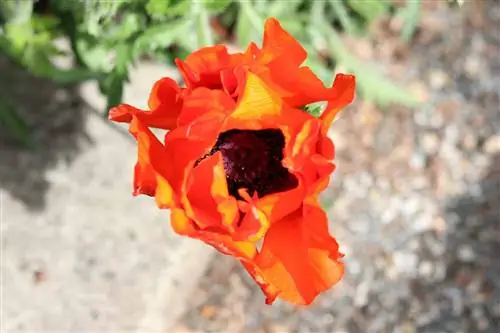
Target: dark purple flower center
x,y
252,160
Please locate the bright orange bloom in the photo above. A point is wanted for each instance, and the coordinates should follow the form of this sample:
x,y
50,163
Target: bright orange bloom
x,y
243,164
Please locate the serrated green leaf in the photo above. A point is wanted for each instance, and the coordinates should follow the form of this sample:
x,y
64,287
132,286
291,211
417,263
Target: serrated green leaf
x,y
313,110
216,6
200,18
68,76
244,33
250,26
341,13
369,9
16,12
410,15
373,85
282,9
161,36
95,55
130,24
159,9
112,86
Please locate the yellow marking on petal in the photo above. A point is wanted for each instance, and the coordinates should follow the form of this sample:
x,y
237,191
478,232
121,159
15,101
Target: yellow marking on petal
x,y
302,136
229,212
219,183
247,248
179,221
164,195
260,216
327,119
243,192
258,100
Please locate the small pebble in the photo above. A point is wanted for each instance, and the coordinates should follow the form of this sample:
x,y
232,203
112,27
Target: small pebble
x,y
418,160
472,66
430,143
405,262
492,145
466,253
426,268
469,141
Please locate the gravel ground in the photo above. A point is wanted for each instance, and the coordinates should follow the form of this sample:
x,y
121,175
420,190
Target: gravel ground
x,y
416,200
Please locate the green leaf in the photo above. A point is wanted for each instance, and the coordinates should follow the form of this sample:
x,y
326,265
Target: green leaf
x,y
112,85
201,21
161,36
313,110
250,26
16,12
159,9
373,85
216,6
410,14
345,20
369,9
67,76
283,9
94,55
130,24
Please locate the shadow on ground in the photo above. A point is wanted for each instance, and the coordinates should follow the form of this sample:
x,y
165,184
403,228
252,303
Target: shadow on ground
x,y
470,292
56,117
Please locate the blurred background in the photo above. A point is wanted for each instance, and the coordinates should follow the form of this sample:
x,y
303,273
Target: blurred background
x,y
414,202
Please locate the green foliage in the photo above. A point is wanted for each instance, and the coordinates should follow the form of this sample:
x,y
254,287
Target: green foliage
x,y
313,110
108,37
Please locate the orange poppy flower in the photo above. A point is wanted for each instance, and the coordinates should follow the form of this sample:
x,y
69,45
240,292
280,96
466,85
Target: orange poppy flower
x,y
242,165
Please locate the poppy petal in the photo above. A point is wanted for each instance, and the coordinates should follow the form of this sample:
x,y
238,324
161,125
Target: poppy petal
x,y
147,144
202,101
165,104
279,43
299,257
302,145
223,243
269,290
277,205
203,67
344,88
209,202
165,91
257,105
302,85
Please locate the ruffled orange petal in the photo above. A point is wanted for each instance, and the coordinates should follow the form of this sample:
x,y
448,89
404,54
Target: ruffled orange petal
x,y
253,225
144,174
165,102
299,258
302,86
202,67
147,145
279,44
343,91
302,144
277,205
208,201
222,242
203,101
210,66
269,290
